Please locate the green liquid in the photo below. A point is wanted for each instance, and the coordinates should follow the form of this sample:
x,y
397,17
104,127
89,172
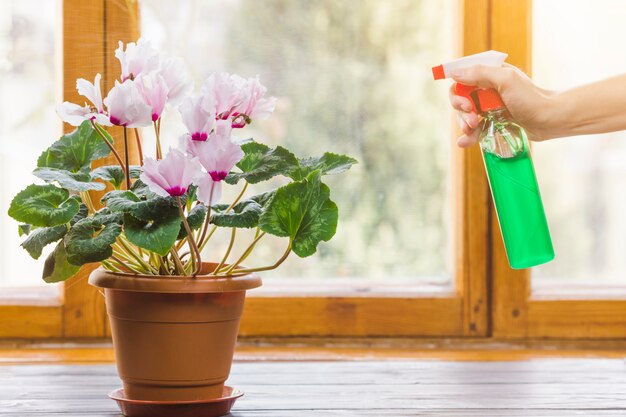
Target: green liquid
x,y
520,210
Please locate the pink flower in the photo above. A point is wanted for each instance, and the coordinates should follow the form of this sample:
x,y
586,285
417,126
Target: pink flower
x,y
127,107
225,92
254,106
218,155
137,58
170,176
198,116
176,78
154,91
75,114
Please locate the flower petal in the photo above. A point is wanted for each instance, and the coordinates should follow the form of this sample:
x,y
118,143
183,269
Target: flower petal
x,y
72,113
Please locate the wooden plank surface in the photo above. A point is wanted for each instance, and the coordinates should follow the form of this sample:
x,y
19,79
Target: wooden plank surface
x,y
551,387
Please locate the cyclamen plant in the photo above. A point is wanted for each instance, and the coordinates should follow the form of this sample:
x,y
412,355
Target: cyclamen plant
x,y
159,216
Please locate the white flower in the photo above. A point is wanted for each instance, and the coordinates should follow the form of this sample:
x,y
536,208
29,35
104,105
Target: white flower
x,y
254,106
176,78
225,92
197,118
218,155
75,114
154,91
138,58
170,176
127,107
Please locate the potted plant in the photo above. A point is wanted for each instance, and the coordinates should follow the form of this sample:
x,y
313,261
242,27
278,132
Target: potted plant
x,y
174,312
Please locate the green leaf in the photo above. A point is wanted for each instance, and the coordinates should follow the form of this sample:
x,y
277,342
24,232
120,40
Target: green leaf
x,y
128,202
244,214
24,229
157,234
76,181
90,240
261,163
142,190
106,216
75,151
303,212
40,238
82,213
120,201
263,198
43,205
115,175
195,219
57,268
328,164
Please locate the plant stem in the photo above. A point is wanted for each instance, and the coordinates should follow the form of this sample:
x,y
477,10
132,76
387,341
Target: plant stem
x,y
124,265
157,132
164,266
230,246
204,238
245,253
139,147
195,257
87,199
205,227
138,258
180,269
110,266
126,158
109,144
268,268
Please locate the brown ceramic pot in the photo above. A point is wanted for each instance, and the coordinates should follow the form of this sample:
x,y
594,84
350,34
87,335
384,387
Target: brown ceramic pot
x,y
174,337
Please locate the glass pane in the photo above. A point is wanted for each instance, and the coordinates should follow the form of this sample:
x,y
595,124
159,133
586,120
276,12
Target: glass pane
x,y
582,179
28,123
348,79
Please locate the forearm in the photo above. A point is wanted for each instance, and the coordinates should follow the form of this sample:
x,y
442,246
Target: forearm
x,y
599,107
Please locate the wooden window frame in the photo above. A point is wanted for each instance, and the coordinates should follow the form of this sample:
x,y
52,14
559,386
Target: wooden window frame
x,y
520,311
80,313
489,299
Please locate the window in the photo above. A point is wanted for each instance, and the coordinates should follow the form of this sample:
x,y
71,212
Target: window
x,y
418,246
353,80
583,182
27,120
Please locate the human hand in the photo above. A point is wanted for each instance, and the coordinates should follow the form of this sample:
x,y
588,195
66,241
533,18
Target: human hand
x,y
528,104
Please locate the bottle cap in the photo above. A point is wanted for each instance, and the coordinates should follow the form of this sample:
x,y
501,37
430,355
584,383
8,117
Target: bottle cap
x,y
488,99
438,72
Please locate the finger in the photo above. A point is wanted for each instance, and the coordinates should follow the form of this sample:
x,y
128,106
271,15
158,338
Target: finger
x,y
468,140
481,76
460,103
470,118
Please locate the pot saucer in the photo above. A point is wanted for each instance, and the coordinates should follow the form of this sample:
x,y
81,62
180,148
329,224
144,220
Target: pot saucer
x,y
214,407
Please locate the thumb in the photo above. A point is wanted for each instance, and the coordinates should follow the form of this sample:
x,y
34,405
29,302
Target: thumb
x,y
481,76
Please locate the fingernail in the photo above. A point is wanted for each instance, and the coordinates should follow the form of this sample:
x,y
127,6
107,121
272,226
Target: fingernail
x,y
466,107
466,119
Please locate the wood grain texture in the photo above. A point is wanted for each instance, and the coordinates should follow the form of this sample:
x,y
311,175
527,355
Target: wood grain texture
x,y
577,319
90,34
31,321
346,350
510,30
351,316
472,198
432,388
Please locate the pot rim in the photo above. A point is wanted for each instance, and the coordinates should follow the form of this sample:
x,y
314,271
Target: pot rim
x,y
205,283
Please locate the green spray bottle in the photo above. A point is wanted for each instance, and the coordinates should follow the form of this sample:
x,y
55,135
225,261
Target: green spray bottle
x,y
509,167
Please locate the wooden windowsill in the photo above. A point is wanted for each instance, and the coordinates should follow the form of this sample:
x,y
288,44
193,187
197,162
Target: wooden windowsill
x,y
41,295
332,349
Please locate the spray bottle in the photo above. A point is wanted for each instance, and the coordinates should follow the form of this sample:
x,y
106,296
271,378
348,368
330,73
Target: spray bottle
x,y
509,166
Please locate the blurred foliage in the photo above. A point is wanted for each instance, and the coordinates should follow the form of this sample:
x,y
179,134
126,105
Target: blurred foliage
x,y
351,79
